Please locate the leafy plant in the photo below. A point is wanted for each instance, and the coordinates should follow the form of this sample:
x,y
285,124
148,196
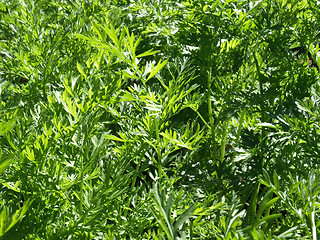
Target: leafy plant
x,y
159,119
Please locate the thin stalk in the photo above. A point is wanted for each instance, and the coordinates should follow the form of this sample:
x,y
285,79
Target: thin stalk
x,y
135,176
211,119
243,113
313,224
262,107
81,184
224,140
263,115
239,130
129,199
191,230
159,160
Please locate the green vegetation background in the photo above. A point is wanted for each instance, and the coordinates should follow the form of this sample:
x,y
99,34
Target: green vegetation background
x,y
158,119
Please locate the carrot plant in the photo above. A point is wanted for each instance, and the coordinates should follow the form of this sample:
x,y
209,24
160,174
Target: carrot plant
x,y
159,119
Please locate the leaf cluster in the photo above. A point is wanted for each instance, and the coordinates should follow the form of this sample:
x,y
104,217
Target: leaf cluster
x,y
159,119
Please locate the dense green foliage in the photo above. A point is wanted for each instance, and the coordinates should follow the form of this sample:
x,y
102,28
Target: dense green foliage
x,y
158,119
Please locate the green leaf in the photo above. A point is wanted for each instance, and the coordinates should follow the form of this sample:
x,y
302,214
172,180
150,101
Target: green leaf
x,y
92,40
173,138
182,219
115,138
268,125
97,30
6,126
266,205
255,234
147,53
7,222
159,66
5,162
290,233
2,7
113,35
163,213
303,107
68,105
80,69
270,218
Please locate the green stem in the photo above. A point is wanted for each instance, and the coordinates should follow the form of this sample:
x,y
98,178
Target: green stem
x,y
224,140
239,130
81,184
262,107
243,113
159,160
313,223
211,119
263,118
